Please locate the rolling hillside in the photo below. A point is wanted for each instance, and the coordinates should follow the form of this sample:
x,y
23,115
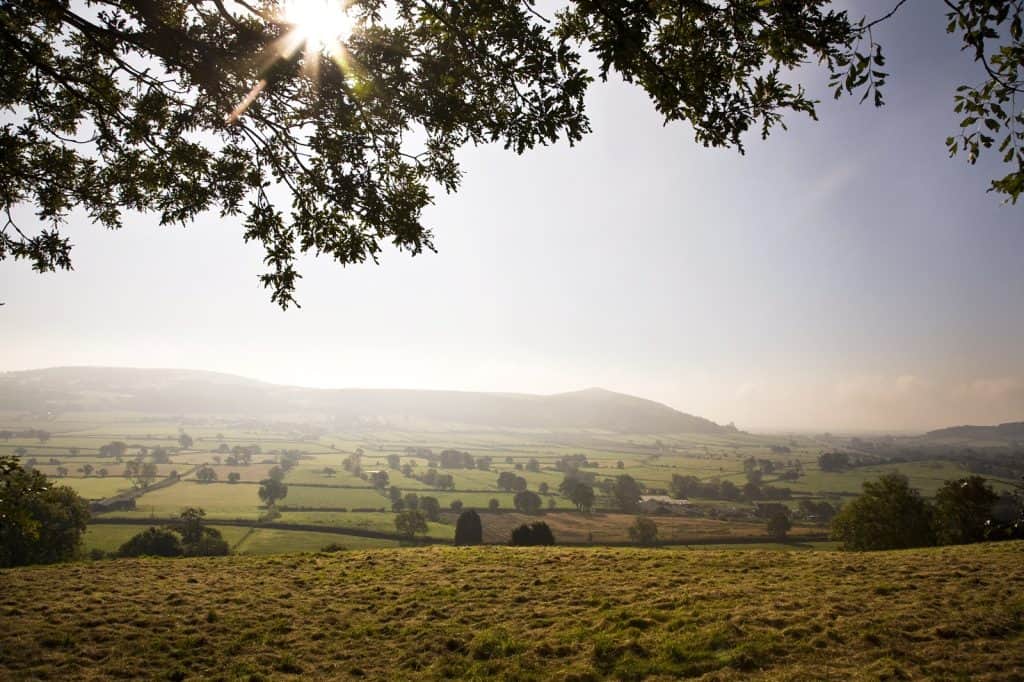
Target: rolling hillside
x,y
502,613
188,392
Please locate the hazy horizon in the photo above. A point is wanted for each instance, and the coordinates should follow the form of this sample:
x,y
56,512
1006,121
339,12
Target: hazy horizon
x,y
843,275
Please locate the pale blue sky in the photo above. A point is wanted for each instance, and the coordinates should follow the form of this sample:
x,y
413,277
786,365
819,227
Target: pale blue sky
x,y
845,274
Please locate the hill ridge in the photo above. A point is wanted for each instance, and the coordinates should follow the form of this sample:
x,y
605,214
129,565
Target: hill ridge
x,y
198,392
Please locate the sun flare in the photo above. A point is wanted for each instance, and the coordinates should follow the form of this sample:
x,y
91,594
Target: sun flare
x,y
322,25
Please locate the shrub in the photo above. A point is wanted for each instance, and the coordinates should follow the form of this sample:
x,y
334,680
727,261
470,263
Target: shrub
x,y
468,529
333,547
537,533
644,531
152,542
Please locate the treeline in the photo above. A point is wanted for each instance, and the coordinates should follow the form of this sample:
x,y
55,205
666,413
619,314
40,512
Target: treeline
x,y
687,487
889,514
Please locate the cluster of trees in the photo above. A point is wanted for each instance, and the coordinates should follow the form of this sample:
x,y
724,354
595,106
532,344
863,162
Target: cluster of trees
x,y
511,482
456,459
834,461
570,463
435,479
140,474
39,522
190,537
39,434
426,504
686,487
892,515
579,490
115,449
532,534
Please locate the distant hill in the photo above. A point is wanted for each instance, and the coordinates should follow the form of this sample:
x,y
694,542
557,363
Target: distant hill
x,y
1009,431
191,392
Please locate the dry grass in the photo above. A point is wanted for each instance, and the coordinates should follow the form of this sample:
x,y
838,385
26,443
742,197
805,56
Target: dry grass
x,y
523,614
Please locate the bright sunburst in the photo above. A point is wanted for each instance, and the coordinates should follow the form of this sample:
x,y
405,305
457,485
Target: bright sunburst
x,y
318,28
321,25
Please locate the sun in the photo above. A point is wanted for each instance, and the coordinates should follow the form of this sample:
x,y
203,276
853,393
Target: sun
x,y
321,25
318,28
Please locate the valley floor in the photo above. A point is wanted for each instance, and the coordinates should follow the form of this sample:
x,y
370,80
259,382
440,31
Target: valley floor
x,y
523,614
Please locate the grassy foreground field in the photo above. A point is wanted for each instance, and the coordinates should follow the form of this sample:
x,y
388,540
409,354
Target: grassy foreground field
x,y
523,614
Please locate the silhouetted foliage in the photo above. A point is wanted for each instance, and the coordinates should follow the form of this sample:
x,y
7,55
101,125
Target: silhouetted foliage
x,y
468,529
963,509
536,533
39,522
153,85
888,515
152,542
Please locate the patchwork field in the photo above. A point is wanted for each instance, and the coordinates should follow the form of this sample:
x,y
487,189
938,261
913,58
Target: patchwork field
x,y
523,614
322,493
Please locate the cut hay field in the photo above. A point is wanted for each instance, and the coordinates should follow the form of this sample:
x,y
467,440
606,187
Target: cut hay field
x,y
523,614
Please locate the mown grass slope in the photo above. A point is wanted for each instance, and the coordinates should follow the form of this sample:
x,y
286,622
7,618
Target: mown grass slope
x,y
523,614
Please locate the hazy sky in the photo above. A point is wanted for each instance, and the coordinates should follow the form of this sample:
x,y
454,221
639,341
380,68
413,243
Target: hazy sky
x,y
845,274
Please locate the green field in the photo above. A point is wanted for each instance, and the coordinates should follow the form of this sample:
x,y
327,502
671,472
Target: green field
x,y
108,537
523,614
347,498
95,488
274,541
315,498
219,500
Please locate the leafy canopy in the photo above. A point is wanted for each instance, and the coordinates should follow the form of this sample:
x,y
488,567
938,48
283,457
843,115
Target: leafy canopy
x,y
179,108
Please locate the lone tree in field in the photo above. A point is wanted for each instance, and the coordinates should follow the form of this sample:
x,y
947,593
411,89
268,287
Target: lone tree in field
x,y
180,108
431,508
644,531
962,510
40,523
411,522
626,492
234,477
184,440
778,523
581,494
889,514
468,529
141,474
272,490
206,474
527,502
